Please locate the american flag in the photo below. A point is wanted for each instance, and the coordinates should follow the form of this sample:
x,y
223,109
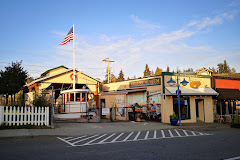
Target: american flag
x,y
68,38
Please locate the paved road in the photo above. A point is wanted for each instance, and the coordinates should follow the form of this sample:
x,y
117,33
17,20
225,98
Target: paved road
x,y
97,139
221,144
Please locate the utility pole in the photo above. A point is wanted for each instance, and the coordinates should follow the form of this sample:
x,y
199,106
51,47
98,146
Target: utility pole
x,y
108,71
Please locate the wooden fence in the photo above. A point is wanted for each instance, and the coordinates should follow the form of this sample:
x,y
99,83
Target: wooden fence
x,y
24,115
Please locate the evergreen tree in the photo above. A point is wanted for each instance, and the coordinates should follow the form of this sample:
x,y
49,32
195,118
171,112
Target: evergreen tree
x,y
29,80
188,70
226,68
121,76
223,67
147,71
112,78
168,69
158,71
233,70
213,70
12,79
152,73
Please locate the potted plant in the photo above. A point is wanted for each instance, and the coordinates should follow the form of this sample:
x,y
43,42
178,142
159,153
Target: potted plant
x,y
236,121
173,119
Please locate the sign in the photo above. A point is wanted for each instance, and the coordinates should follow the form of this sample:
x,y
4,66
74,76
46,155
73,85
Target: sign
x,y
178,92
105,111
195,84
147,82
119,103
152,93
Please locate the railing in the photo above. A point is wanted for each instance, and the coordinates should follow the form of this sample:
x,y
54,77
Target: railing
x,y
24,115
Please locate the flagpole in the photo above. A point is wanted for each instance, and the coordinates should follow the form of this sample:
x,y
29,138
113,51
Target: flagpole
x,y
74,74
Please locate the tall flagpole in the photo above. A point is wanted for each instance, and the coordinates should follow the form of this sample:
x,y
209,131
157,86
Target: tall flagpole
x,y
73,60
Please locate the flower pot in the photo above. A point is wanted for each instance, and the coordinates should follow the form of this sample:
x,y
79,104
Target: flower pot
x,y
174,122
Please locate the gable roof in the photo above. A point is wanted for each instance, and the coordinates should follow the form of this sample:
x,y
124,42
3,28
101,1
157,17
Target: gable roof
x,y
204,69
48,77
43,74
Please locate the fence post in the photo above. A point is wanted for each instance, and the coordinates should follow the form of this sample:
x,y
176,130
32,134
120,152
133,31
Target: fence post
x,y
35,115
42,115
47,116
52,109
6,116
28,115
14,115
25,114
21,115
10,116
1,115
18,114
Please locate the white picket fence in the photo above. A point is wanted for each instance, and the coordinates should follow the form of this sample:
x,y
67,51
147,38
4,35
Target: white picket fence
x,y
24,115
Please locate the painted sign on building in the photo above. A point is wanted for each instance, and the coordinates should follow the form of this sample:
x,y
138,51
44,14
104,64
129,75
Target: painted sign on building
x,y
119,103
147,82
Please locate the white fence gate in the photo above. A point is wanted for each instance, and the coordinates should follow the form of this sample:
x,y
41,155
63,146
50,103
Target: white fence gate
x,y
24,115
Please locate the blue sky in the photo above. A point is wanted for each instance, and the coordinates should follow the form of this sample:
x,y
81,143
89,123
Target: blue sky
x,y
134,33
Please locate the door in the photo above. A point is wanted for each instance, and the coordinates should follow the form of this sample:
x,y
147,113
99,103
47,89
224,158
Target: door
x,y
200,109
102,105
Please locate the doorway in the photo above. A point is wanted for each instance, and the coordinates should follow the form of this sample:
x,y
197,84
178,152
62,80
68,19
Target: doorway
x,y
200,110
102,105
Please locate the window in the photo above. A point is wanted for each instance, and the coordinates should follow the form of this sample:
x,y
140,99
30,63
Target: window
x,y
71,96
184,107
84,97
78,96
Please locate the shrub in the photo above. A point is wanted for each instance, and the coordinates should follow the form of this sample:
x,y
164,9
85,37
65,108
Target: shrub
x,y
236,119
173,116
42,101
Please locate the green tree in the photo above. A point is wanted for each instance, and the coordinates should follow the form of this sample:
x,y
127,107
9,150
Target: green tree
x,y
188,70
213,70
120,76
12,79
147,71
158,71
30,79
113,78
168,69
152,73
223,67
234,70
42,100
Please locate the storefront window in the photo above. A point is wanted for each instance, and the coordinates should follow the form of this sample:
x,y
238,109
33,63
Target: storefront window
x,y
83,97
78,96
184,107
71,96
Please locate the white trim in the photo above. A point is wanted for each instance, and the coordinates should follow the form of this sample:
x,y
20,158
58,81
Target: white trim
x,y
75,91
193,91
44,78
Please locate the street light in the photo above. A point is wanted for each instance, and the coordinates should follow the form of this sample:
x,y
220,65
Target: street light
x,y
171,82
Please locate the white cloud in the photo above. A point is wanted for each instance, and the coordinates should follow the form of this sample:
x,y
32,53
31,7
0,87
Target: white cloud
x,y
209,22
131,54
145,26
